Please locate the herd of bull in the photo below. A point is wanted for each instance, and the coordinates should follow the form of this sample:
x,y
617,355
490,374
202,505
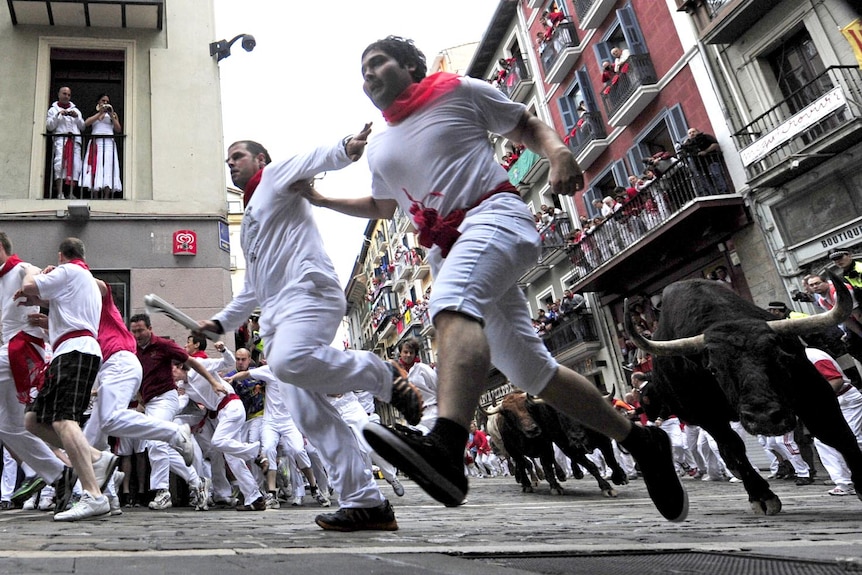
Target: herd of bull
x,y
717,358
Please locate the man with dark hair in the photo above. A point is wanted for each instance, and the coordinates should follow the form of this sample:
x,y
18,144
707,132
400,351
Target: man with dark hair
x,y
423,377
302,305
196,346
160,397
57,412
469,215
65,122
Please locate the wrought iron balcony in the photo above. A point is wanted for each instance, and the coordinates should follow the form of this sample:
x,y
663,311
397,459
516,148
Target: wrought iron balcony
x,y
587,140
573,337
555,235
815,122
591,13
560,52
99,150
631,90
516,83
527,169
724,21
692,203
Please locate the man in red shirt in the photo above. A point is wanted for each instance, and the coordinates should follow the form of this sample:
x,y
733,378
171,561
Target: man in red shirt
x,y
159,394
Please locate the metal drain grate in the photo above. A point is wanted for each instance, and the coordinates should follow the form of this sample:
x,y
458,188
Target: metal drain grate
x,y
668,563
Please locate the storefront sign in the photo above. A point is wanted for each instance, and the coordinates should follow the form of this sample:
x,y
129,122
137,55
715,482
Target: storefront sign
x,y
843,237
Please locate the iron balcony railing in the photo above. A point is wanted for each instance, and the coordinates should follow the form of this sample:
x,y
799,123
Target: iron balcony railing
x,y
814,111
589,127
73,149
554,236
565,35
658,202
582,7
509,83
572,330
638,71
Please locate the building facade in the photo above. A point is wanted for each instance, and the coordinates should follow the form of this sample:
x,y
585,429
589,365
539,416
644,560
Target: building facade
x,y
165,231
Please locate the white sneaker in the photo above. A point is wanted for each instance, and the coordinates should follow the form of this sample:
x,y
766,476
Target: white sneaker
x,y
161,501
296,501
397,487
183,444
203,495
104,468
30,504
119,476
272,501
116,508
46,503
841,491
322,499
87,508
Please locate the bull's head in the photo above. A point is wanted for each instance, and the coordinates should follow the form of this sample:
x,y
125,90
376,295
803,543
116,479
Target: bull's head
x,y
793,326
752,360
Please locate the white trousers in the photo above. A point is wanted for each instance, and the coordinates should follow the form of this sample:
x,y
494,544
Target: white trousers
x,y
284,434
227,439
10,476
118,381
851,407
785,446
352,413
164,458
318,420
32,450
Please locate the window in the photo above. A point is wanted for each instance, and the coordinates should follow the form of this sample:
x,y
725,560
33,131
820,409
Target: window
x,y
89,73
603,185
119,282
664,134
624,34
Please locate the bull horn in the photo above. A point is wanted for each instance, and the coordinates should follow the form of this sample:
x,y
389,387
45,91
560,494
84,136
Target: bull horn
x,y
682,346
491,411
802,325
612,394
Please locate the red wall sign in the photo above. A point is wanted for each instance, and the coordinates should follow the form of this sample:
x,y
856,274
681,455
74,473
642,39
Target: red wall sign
x,y
185,243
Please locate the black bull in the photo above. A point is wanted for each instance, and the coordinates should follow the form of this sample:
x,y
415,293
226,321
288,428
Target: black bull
x,y
729,362
529,427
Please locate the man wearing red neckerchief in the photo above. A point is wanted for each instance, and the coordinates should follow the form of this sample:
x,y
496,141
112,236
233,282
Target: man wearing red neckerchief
x,y
22,358
291,279
435,161
66,122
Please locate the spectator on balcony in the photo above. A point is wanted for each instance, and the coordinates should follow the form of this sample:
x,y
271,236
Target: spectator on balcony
x,y
621,60
610,206
705,153
65,123
550,213
572,303
541,41
608,76
101,174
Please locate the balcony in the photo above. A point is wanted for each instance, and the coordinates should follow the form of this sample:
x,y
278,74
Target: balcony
x,y
724,21
817,121
140,14
527,170
588,139
99,152
427,325
689,209
560,53
591,13
554,240
573,339
516,84
634,89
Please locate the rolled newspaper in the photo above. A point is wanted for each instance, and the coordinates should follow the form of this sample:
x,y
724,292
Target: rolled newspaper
x,y
156,304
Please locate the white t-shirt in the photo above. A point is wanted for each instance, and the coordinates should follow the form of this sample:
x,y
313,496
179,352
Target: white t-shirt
x,y
76,304
444,149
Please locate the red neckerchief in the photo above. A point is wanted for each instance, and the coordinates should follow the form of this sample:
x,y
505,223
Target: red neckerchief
x,y
200,354
251,186
420,94
81,263
11,262
64,105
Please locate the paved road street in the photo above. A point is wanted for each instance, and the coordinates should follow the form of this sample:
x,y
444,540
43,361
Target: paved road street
x,y
497,520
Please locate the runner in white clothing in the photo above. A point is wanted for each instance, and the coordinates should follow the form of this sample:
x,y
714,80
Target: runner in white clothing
x,y
302,305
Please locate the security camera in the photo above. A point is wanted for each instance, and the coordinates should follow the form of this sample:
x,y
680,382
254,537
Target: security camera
x,y
794,164
248,43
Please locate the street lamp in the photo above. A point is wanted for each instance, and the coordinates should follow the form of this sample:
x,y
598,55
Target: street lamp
x,y
221,49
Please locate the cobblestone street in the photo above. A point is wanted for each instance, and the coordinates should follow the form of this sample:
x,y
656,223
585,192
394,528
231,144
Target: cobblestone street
x,y
498,520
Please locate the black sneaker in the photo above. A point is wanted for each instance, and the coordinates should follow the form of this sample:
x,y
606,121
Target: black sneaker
x,y
29,486
801,481
63,489
423,460
406,398
258,504
380,518
650,446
